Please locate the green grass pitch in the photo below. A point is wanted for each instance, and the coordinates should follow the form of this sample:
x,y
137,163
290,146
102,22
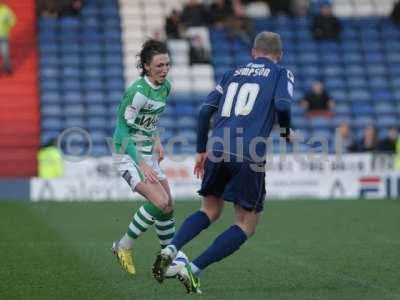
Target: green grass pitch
x,y
301,250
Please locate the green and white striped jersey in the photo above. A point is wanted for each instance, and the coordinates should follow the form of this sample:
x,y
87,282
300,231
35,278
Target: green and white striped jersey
x,y
138,115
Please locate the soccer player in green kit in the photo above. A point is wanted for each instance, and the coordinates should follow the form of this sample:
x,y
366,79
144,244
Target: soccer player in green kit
x,y
138,151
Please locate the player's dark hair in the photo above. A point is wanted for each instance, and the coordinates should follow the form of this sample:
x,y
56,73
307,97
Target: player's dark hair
x,y
150,48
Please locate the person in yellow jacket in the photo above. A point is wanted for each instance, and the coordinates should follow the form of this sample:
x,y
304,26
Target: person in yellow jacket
x,y
50,161
397,155
7,21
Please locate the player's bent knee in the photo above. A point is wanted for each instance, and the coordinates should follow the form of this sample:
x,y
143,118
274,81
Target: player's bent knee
x,y
248,230
212,214
165,206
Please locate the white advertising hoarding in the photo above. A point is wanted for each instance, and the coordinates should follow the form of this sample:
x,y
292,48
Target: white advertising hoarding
x,y
350,176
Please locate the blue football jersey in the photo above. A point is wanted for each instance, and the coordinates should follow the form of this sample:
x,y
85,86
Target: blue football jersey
x,y
245,101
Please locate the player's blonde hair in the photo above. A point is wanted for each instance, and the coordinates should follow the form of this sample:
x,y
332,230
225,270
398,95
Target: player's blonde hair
x,y
267,43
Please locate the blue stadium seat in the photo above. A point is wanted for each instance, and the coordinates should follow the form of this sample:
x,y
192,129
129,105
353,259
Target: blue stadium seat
x,y
376,70
115,84
297,110
71,84
357,83
72,97
324,134
49,84
360,122
48,49
385,108
166,122
95,123
354,70
74,122
300,122
342,109
51,123
382,95
186,122
97,110
71,71
50,97
387,121
94,96
93,85
100,150
70,59
311,71
339,95
337,83
338,120
49,72
188,136
92,72
320,123
48,60
378,83
362,109
70,23
71,48
51,110
74,110
115,48
113,60
185,109
359,95
331,71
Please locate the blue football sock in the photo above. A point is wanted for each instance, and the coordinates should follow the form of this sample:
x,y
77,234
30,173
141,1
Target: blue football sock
x,y
190,228
224,245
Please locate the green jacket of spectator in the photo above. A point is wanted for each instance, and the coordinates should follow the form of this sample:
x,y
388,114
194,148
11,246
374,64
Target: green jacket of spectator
x,y
7,21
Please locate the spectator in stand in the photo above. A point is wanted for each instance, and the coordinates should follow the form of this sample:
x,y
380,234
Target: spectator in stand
x,y
279,7
46,9
219,12
7,22
173,25
50,161
317,101
395,15
388,144
231,15
326,26
198,53
315,6
343,138
70,8
193,14
300,8
368,143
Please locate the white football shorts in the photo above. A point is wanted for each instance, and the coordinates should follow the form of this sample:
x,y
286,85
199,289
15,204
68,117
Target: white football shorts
x,y
129,170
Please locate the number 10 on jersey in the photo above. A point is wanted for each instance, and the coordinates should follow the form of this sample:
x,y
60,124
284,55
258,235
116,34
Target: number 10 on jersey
x,y
246,97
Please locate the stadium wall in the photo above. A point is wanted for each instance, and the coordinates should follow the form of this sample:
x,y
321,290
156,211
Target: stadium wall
x,y
290,177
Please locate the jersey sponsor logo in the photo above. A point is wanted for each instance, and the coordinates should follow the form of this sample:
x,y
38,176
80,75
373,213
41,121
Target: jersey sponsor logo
x,y
148,121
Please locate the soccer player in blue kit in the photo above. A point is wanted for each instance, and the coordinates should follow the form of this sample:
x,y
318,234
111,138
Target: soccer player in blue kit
x,y
232,164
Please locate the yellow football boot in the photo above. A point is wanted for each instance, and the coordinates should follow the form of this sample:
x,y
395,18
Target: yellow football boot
x,y
124,257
